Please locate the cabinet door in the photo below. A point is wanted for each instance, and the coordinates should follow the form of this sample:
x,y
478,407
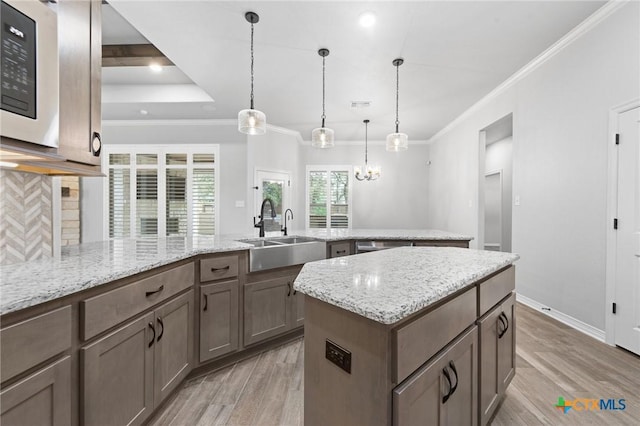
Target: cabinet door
x,y
267,309
44,398
507,345
117,375
443,392
173,353
218,319
298,315
488,364
76,39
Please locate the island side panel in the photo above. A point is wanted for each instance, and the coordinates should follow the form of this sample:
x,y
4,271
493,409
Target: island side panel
x,y
333,396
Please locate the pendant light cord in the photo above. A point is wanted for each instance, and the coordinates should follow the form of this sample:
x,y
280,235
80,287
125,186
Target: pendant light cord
x,y
366,144
252,65
323,109
397,94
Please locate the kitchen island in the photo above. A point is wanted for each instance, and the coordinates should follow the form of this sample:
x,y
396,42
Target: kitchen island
x,y
412,335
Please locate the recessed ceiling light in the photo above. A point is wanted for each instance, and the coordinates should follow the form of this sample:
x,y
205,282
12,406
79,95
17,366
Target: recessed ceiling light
x,y
144,112
155,67
367,19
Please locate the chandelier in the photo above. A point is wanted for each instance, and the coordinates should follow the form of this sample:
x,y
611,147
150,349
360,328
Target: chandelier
x,y
367,172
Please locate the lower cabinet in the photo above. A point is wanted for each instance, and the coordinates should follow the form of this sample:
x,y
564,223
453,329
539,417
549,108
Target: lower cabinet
x,y
299,309
443,391
128,372
218,319
43,398
497,356
270,308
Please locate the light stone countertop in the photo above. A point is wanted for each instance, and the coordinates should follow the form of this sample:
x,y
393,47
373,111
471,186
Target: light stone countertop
x,y
89,265
389,285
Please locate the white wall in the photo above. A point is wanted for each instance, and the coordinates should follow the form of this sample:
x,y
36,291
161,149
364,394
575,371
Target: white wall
x,y
232,163
498,156
396,200
560,118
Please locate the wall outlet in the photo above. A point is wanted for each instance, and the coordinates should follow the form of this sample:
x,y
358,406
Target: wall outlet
x,y
517,200
239,203
337,355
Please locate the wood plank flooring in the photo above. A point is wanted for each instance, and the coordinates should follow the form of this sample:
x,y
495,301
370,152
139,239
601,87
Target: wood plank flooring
x,y
552,360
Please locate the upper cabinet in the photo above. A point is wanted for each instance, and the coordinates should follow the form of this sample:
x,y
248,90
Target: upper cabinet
x,y
80,49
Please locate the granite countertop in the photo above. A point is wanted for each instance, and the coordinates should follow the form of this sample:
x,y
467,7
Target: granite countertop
x,y
88,265
382,234
389,285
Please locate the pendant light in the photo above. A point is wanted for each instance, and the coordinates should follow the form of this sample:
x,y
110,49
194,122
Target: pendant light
x,y
322,137
397,141
367,172
251,121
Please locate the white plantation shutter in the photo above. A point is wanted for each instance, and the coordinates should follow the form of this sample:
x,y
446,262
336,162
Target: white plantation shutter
x,y
203,210
328,197
119,196
161,191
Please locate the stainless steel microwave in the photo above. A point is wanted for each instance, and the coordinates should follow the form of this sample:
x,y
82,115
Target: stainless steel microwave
x,y
29,61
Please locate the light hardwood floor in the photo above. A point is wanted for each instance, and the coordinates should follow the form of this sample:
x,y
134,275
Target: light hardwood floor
x,y
552,360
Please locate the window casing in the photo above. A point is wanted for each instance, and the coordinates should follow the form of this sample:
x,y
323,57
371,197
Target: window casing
x,y
161,190
328,197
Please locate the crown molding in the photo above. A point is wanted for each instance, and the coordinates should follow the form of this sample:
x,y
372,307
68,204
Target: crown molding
x,y
339,143
174,122
581,29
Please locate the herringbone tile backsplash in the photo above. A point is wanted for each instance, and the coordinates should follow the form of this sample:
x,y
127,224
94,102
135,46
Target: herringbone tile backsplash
x,y
26,231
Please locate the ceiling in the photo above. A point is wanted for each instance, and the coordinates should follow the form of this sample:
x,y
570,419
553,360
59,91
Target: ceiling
x,y
455,53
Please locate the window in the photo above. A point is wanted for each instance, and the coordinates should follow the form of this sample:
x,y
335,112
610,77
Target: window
x,y
328,197
161,190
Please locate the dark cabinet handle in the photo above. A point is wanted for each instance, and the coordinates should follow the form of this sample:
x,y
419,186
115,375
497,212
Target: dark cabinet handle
x,y
448,377
455,372
341,252
206,302
505,322
289,287
501,326
154,334
95,144
151,293
161,330
295,291
226,268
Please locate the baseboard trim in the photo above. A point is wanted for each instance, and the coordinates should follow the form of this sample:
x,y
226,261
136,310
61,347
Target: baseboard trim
x,y
583,327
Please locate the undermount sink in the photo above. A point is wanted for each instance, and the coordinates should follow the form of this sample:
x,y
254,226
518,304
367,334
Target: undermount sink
x,y
277,252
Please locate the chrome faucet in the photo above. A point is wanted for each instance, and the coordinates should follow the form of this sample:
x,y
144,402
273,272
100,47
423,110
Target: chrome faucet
x,y
261,223
285,220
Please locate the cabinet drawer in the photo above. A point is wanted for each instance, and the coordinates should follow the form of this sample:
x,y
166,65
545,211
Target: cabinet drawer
x,y
217,268
496,288
341,249
420,340
30,342
102,312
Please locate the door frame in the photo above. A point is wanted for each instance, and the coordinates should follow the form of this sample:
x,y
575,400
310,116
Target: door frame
x,y
612,201
287,192
484,207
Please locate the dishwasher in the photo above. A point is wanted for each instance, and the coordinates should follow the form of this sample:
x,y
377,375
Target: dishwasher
x,y
365,246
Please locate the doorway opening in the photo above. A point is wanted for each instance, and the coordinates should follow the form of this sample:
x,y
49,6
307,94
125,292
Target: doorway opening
x,y
495,191
276,186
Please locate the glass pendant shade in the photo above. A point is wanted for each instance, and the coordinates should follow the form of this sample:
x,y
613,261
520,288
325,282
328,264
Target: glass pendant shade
x,y
252,122
397,142
322,137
